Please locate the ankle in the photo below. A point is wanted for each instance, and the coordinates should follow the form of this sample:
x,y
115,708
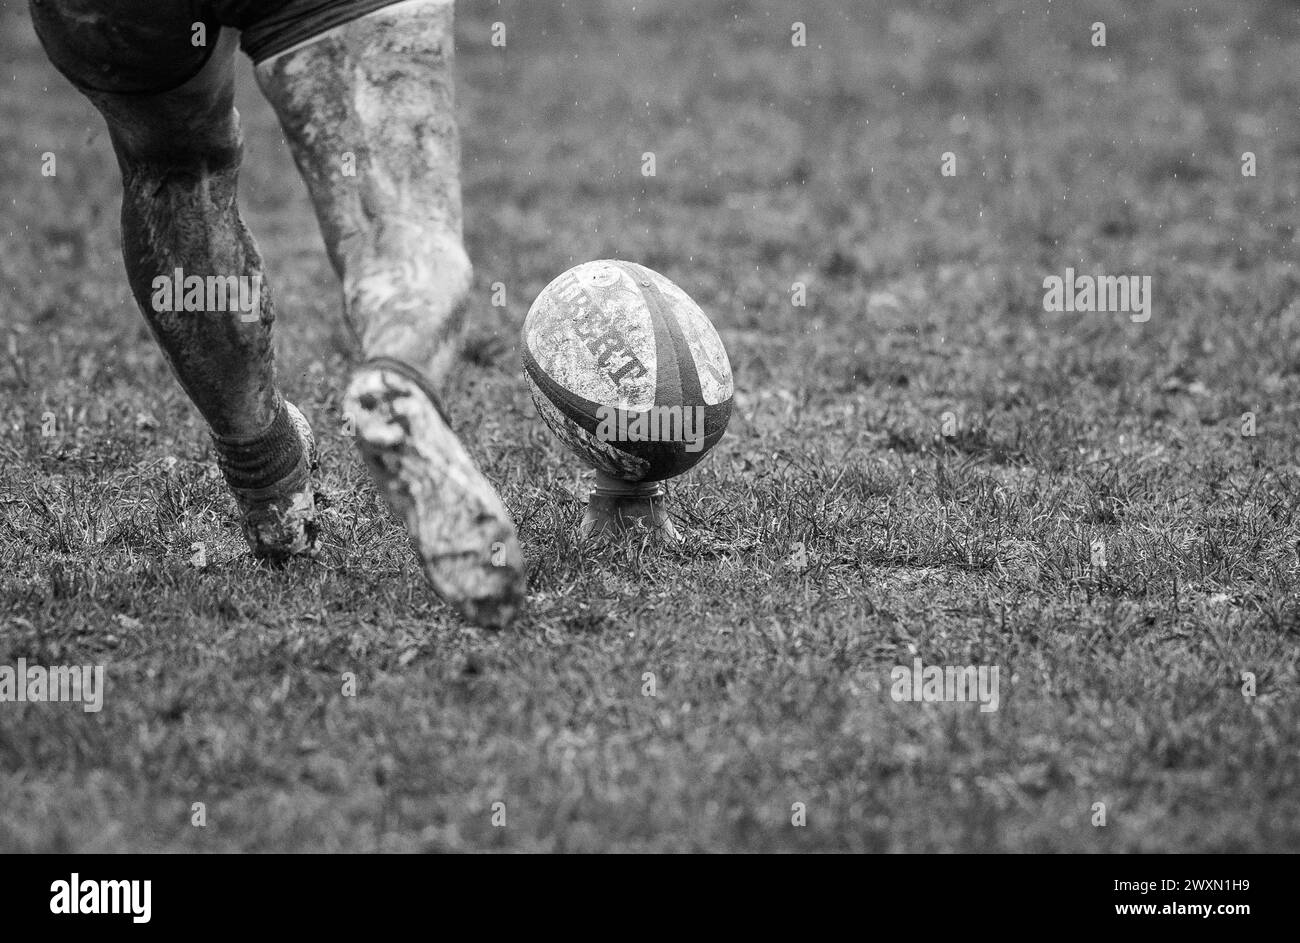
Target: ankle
x,y
263,459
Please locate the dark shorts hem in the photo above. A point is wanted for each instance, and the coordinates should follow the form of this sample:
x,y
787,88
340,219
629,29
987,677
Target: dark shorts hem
x,y
301,20
145,47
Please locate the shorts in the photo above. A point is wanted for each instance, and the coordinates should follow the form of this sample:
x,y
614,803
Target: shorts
x,y
151,46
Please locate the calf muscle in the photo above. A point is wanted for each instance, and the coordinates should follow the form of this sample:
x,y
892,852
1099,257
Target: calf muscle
x,y
179,153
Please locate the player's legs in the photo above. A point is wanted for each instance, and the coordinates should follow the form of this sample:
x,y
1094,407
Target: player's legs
x,y
368,111
169,108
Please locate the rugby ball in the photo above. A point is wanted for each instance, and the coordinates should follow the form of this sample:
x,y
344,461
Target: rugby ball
x,y
627,370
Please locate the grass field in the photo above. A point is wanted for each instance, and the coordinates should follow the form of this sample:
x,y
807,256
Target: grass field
x,y
1120,684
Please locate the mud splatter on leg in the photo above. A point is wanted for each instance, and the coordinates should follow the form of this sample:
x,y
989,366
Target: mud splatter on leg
x,y
179,153
369,112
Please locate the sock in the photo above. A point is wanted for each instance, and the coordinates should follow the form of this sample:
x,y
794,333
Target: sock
x,y
261,460
415,376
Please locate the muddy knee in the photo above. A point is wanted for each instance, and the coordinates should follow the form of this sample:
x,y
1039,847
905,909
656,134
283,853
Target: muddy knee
x,y
210,157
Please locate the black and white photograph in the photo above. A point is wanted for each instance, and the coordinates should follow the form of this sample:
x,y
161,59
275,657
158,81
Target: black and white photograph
x,y
637,427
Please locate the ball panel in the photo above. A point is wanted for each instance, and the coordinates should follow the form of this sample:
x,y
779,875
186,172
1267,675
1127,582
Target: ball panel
x,y
590,330
701,342
583,412
676,382
603,456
